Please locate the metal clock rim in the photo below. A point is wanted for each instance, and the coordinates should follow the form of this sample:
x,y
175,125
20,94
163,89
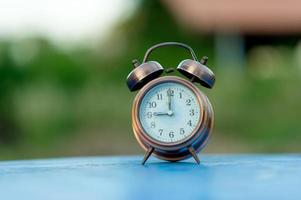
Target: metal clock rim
x,y
140,132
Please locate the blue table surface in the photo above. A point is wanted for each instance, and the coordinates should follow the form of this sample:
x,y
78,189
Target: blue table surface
x,y
123,177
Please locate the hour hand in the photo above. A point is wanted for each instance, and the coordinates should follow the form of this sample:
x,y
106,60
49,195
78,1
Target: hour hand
x,y
169,113
160,113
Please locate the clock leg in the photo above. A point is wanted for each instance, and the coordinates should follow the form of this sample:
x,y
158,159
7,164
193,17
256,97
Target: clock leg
x,y
194,155
147,154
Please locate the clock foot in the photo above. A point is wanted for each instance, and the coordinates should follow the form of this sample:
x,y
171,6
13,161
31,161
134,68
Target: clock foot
x,y
194,155
147,154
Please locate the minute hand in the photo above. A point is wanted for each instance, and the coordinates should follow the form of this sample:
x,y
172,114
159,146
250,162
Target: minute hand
x,y
169,102
168,99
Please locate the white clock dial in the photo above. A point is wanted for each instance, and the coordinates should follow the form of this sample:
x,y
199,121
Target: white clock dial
x,y
169,112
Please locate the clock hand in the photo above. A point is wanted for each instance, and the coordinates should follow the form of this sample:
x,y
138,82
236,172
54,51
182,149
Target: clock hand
x,y
170,113
169,99
160,113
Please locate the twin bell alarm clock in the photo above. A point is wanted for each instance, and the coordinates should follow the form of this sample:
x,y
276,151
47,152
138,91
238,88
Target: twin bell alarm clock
x,y
171,118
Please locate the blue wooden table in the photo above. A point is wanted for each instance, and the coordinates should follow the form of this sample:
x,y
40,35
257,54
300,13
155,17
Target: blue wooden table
x,y
104,178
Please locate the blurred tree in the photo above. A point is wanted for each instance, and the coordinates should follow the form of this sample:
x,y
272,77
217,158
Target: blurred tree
x,y
55,101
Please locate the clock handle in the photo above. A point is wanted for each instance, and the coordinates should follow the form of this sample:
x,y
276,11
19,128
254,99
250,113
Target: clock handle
x,y
178,44
194,154
147,154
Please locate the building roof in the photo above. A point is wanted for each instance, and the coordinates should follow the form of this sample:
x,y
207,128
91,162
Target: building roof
x,y
255,16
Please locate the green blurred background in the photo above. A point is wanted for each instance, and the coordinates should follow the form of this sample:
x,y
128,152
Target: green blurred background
x,y
62,96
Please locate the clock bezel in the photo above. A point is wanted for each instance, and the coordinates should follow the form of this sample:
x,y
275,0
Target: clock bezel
x,y
144,138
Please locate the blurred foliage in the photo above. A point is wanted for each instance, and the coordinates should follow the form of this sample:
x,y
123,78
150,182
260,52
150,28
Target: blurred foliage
x,y
56,101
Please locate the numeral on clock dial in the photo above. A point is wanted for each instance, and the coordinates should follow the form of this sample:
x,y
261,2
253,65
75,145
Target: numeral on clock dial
x,y
171,134
152,104
159,96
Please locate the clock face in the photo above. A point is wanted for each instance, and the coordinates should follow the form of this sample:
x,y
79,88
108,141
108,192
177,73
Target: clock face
x,y
169,112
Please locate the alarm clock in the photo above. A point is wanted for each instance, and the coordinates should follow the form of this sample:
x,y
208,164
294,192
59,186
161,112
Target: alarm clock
x,y
171,118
